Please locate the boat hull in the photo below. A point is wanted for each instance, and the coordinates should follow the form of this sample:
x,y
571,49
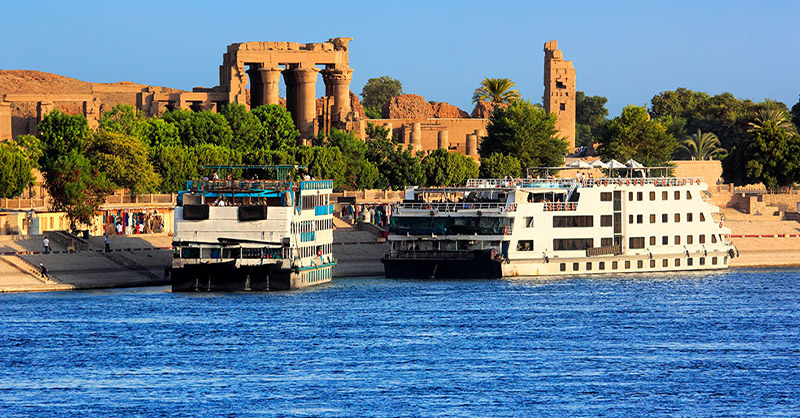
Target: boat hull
x,y
228,277
441,269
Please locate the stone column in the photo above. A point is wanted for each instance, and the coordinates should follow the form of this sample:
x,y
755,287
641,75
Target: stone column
x,y
256,87
444,142
472,145
337,84
270,85
304,108
5,120
43,108
416,136
91,110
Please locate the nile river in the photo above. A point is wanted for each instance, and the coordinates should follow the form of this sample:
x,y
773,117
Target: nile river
x,y
688,344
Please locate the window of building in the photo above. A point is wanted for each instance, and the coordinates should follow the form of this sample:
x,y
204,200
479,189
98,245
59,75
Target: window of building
x,y
563,266
665,263
639,219
588,266
630,196
606,220
601,265
688,195
664,196
575,266
725,259
630,219
714,260
560,85
572,244
677,195
677,239
605,196
636,242
702,217
614,265
606,242
525,245
663,218
701,238
677,217
627,264
652,195
639,264
689,239
665,240
562,106
573,221
652,240
639,196
528,221
688,217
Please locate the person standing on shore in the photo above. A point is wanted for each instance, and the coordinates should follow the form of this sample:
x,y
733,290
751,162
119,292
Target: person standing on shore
x,y
43,271
46,245
108,247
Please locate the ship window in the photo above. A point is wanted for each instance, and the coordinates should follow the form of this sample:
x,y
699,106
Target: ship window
x,y
724,259
713,238
652,195
677,239
677,195
605,196
664,196
702,261
563,266
529,222
575,266
714,260
652,240
688,195
617,223
588,266
652,218
573,221
572,244
627,264
639,264
665,263
614,265
605,220
688,217
689,239
601,265
677,217
663,218
701,238
665,240
702,217
630,196
636,242
630,219
525,245
677,262
652,263
689,261
639,196
639,219
606,242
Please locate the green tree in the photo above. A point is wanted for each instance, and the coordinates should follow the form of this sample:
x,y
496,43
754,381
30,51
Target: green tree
x,y
210,154
246,129
444,168
590,116
526,132
496,90
32,147
61,133
634,135
174,164
16,169
323,163
124,160
498,165
279,132
377,93
776,115
196,128
75,187
157,132
359,173
122,119
770,155
701,146
796,115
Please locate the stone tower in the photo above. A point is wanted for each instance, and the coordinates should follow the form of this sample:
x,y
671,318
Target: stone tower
x,y
559,91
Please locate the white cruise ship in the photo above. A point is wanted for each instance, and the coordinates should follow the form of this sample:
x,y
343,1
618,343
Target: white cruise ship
x,y
253,235
541,227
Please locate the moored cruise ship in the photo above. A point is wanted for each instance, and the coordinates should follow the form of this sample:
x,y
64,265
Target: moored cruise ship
x,y
253,235
533,227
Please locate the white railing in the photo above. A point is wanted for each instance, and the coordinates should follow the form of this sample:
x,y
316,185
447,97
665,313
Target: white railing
x,y
567,183
455,207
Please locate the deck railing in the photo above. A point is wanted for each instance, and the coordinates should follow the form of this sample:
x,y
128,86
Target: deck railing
x,y
567,183
455,207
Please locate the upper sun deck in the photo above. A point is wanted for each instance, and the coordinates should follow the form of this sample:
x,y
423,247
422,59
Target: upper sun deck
x,y
567,183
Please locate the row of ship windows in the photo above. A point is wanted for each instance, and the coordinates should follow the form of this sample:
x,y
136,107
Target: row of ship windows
x,y
587,221
317,275
639,196
640,264
311,226
580,244
664,218
310,202
311,251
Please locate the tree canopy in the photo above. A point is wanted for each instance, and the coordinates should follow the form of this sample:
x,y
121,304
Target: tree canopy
x,y
377,93
634,135
444,168
498,166
701,146
590,117
526,132
770,155
496,90
16,169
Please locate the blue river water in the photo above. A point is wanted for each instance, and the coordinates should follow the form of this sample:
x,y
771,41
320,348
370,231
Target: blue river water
x,y
679,344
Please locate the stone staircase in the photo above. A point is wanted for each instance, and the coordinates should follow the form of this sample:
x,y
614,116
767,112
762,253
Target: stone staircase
x,y
131,265
25,267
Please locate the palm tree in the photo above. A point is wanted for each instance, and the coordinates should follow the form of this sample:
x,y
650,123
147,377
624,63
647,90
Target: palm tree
x,y
702,146
777,116
496,90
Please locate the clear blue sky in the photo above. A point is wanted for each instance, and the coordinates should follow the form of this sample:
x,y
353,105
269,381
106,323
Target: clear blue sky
x,y
627,51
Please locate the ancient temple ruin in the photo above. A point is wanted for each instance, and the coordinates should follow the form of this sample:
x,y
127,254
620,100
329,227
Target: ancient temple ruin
x,y
559,91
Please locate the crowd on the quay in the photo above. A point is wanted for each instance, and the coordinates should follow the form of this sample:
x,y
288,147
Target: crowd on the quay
x,y
124,222
377,214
